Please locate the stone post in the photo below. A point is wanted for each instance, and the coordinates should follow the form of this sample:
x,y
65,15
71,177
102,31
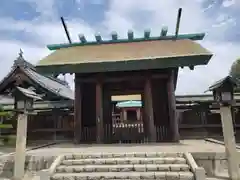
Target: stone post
x,y
230,144
20,154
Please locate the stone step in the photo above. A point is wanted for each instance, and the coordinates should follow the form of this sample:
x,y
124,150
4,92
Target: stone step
x,y
123,168
124,175
112,161
122,155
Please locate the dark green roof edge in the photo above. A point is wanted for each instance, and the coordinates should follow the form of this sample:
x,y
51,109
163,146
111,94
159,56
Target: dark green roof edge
x,y
111,66
197,36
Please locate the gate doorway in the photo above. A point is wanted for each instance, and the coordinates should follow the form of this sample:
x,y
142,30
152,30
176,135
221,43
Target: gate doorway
x,y
150,122
127,120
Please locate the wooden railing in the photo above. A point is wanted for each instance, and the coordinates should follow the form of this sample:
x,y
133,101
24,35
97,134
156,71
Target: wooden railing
x,y
124,133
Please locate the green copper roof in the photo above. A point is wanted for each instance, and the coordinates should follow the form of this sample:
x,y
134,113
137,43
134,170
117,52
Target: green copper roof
x,y
126,104
156,52
147,37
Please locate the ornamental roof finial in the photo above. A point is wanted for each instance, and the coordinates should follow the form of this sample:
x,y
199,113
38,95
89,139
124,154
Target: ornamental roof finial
x,y
20,53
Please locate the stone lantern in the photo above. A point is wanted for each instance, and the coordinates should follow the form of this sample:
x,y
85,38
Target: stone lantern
x,y
23,104
224,97
223,91
23,100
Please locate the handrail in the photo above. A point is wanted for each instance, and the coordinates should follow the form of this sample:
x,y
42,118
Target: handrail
x,y
55,163
199,172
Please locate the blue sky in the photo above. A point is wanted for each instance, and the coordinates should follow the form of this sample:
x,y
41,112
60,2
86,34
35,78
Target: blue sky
x,y
32,24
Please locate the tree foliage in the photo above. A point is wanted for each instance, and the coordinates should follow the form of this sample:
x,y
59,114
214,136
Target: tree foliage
x,y
235,69
235,72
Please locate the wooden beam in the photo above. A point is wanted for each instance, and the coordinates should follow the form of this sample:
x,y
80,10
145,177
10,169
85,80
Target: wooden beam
x,y
164,31
82,38
114,36
172,107
147,33
66,30
130,35
119,79
98,37
77,112
148,106
119,92
99,112
178,22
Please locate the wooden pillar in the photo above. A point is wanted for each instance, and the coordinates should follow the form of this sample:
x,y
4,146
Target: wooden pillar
x,y
99,112
124,114
172,108
138,114
144,116
77,112
203,117
148,106
107,114
55,122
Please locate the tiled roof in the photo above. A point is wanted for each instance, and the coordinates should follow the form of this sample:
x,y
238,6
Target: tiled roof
x,y
51,85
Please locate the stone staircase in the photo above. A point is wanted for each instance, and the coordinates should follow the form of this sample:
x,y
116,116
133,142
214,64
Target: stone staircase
x,y
172,166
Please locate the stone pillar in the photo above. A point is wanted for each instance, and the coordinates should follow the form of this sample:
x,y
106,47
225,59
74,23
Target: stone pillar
x,y
20,154
230,144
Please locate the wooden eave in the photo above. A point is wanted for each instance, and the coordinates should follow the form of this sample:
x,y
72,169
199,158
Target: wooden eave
x,y
125,57
44,105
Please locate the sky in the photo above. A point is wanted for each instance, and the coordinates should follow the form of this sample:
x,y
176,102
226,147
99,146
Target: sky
x,y
33,24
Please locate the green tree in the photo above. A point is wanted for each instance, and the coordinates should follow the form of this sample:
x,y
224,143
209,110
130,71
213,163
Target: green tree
x,y
235,69
235,72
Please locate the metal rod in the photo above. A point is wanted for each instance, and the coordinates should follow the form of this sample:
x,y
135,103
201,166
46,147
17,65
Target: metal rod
x,y
178,21
66,30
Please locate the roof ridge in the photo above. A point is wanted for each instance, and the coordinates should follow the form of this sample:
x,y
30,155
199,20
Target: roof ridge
x,y
130,39
21,62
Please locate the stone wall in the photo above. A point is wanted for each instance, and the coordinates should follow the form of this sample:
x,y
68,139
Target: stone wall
x,y
212,162
33,163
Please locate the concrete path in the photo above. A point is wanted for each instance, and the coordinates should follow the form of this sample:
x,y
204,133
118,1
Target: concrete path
x,y
184,146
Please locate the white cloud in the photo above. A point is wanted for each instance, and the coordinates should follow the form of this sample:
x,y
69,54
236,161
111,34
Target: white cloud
x,y
41,34
198,80
193,20
46,8
121,16
10,50
227,3
48,32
